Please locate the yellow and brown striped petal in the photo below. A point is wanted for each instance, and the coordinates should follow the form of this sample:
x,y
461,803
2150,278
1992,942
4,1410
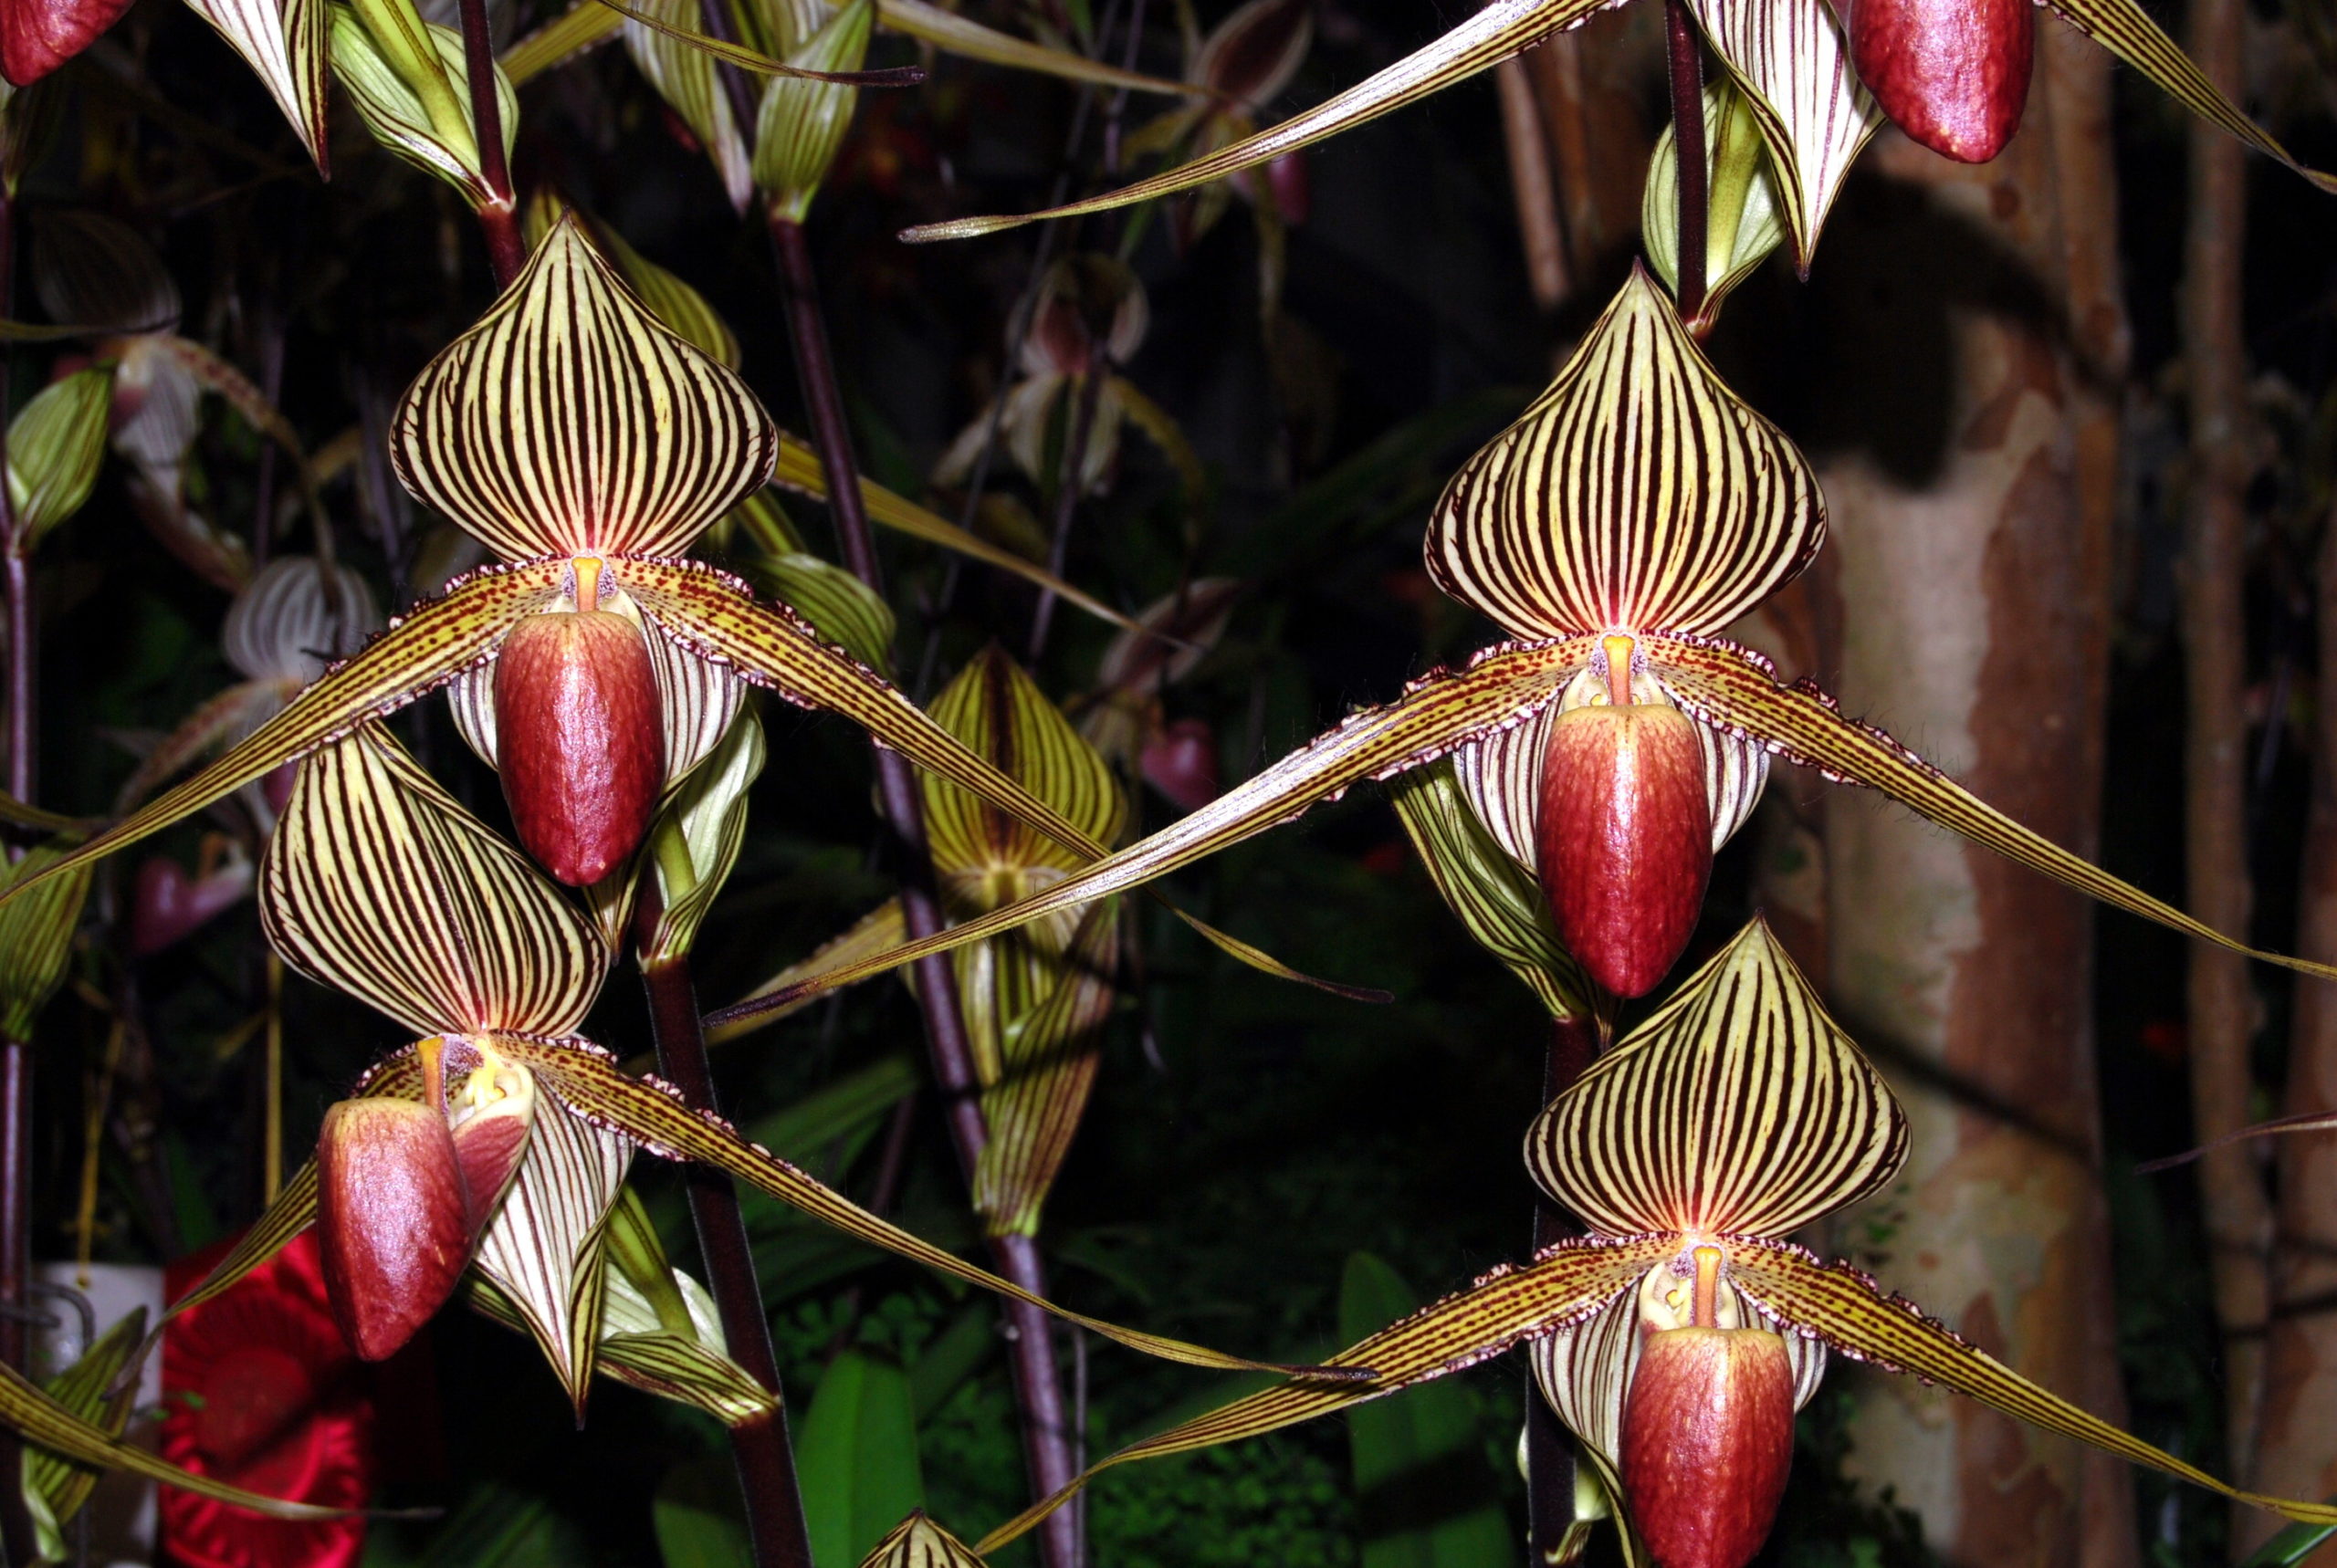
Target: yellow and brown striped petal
x,y
570,421
1737,1108
377,883
1637,494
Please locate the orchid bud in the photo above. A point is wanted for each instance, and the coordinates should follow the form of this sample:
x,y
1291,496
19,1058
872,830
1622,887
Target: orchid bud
x,y
1624,835
1951,74
581,740
1707,1436
166,903
392,1215
1181,763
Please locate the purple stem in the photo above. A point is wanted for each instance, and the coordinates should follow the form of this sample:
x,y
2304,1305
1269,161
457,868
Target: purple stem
x,y
499,219
1685,58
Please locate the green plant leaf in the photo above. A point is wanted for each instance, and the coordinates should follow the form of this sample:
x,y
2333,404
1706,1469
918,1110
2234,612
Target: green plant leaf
x,y
696,839
1503,906
1744,221
1484,40
37,937
684,78
87,1390
431,128
1421,1487
856,1454
56,444
695,1515
2290,1547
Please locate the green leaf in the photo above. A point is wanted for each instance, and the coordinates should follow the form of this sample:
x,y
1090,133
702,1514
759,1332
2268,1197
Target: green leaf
x,y
1426,1498
697,1516
856,1454
696,838
1743,216
2290,1547
401,74
802,123
86,1389
36,938
55,447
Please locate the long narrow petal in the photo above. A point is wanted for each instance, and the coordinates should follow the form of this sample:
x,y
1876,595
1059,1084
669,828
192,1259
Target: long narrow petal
x,y
1736,690
1737,1107
652,1113
570,421
958,35
1484,40
1853,1315
284,41
1565,1284
378,884
1791,59
878,931
2304,1121
582,26
1638,491
1499,687
799,469
2126,30
419,654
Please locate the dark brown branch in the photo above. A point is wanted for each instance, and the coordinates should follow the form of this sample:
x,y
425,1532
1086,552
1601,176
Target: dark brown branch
x,y
16,1056
1685,58
765,1462
1047,1435
499,219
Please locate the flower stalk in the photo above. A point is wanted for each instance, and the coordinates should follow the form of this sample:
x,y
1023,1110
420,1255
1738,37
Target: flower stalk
x,y
15,1055
765,1458
1685,63
1038,1383
499,219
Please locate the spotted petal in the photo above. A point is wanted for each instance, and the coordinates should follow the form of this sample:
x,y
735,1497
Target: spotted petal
x,y
1844,1307
1735,690
570,421
378,884
1739,1108
1637,493
1482,41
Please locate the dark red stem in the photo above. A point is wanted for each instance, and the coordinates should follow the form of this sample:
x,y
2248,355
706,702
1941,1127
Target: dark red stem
x,y
1038,1387
15,1055
1686,56
507,252
765,1462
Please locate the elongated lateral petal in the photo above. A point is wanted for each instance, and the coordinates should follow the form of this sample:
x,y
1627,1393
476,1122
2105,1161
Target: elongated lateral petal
x,y
876,931
799,469
687,79
1501,687
1737,1107
378,884
2126,30
1736,690
1565,1283
1793,63
421,652
284,41
1851,1313
1637,493
2303,1121
542,1248
652,1113
1484,40
570,421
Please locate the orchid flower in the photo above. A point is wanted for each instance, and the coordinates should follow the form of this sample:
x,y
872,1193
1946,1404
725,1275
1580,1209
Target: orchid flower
x,y
587,445
499,1140
1680,1334
1796,64
1635,510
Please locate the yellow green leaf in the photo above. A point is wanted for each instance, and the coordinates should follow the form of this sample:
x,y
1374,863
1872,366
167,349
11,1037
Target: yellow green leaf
x,y
56,444
87,1390
431,130
37,937
696,838
1745,224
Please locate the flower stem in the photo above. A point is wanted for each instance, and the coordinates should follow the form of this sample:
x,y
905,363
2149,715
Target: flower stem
x,y
499,219
1038,1387
766,1463
1685,58
1075,459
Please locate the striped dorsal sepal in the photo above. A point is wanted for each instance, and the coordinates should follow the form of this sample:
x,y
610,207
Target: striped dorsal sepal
x,y
1637,494
1737,1108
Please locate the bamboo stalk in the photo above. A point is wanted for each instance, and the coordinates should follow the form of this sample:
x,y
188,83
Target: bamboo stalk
x,y
2214,567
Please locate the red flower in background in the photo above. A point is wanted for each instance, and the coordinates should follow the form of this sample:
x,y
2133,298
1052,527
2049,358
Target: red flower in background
x,y
259,1388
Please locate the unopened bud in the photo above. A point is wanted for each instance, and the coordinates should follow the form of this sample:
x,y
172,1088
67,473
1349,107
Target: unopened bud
x,y
580,739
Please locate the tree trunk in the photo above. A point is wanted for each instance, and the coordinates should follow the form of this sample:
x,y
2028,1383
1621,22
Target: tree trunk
x,y
1974,535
